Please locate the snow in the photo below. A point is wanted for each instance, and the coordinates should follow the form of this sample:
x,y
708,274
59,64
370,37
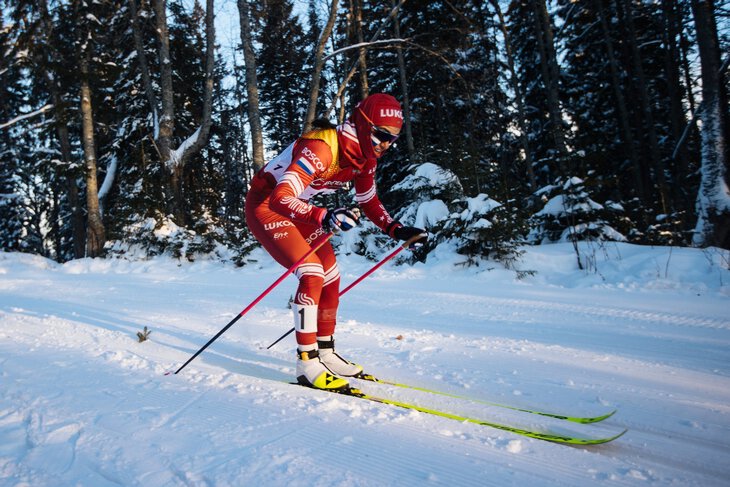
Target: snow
x,y
556,206
480,204
106,186
427,175
646,331
431,212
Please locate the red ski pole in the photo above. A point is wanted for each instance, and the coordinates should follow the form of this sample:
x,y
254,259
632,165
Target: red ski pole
x,y
377,266
314,248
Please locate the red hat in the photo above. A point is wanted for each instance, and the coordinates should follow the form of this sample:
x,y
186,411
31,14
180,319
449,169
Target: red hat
x,y
378,109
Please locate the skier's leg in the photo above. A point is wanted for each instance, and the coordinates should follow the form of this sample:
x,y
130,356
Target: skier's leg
x,y
286,243
327,317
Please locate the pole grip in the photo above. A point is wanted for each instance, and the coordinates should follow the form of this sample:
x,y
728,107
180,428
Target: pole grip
x,y
411,240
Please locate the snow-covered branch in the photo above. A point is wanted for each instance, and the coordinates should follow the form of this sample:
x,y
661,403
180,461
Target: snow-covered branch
x,y
176,156
25,116
106,185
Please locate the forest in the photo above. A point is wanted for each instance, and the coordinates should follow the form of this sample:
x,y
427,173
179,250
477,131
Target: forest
x,y
126,129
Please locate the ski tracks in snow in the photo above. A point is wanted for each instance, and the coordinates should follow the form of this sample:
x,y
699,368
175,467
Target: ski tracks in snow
x,y
82,402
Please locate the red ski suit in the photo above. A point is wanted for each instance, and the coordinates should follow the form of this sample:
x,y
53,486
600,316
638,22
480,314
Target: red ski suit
x,y
280,216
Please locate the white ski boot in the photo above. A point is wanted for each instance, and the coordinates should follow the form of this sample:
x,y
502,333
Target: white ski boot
x,y
334,363
312,373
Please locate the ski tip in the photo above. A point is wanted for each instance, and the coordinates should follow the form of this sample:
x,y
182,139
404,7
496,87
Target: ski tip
x,y
603,441
595,419
606,416
574,440
617,436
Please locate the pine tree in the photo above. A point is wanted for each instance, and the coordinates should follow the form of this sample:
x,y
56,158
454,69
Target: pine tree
x,y
11,92
594,94
453,73
137,192
44,171
534,51
628,161
571,215
231,135
283,77
481,228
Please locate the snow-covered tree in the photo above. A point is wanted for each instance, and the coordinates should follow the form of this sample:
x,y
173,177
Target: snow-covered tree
x,y
481,228
570,215
477,227
713,200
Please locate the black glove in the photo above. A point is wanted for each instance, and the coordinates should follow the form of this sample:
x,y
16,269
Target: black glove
x,y
407,233
340,219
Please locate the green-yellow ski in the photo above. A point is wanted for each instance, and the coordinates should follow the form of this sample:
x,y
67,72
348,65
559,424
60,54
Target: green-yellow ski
x,y
574,419
553,437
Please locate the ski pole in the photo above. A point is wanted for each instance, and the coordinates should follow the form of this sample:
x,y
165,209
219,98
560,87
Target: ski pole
x,y
291,269
377,266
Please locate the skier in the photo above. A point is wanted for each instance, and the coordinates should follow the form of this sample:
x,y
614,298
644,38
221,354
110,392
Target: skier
x,y
281,218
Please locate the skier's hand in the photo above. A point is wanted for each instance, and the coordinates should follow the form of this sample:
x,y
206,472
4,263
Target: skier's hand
x,y
341,219
417,236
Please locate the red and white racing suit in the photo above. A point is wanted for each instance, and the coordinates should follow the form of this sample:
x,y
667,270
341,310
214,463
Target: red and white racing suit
x,y
281,218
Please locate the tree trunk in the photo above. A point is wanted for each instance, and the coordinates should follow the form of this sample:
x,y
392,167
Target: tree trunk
x,y
167,120
519,99
318,64
550,75
622,112
173,160
645,106
95,235
713,200
405,102
686,63
78,236
361,52
254,114
142,62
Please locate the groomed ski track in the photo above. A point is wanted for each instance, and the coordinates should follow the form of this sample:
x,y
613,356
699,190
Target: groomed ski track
x,y
83,402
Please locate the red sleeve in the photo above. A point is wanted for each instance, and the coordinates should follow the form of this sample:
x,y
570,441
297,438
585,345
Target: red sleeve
x,y
367,197
310,158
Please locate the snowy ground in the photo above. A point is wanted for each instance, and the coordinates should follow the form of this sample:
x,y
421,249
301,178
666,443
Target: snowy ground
x,y
645,330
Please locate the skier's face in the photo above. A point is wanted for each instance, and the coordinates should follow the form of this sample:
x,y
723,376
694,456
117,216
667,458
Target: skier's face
x,y
383,137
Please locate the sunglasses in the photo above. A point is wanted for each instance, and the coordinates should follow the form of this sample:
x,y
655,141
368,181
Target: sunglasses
x,y
382,135
379,134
